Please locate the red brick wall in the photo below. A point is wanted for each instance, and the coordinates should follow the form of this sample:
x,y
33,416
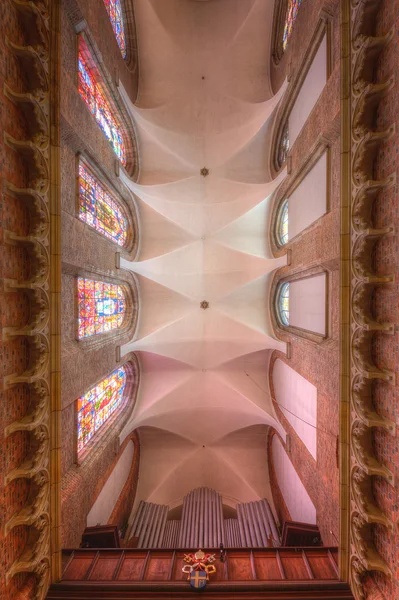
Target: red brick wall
x,y
305,24
321,477
124,505
85,252
82,483
95,15
317,245
15,264
371,589
81,488
386,347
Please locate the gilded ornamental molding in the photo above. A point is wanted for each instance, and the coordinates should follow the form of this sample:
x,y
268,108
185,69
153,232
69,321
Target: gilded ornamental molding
x,y
38,102
359,372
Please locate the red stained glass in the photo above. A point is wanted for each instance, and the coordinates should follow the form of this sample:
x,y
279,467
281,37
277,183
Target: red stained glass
x,y
101,307
99,209
98,404
92,90
292,11
114,10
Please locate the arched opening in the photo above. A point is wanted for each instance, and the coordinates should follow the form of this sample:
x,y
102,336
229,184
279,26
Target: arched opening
x,y
101,307
115,13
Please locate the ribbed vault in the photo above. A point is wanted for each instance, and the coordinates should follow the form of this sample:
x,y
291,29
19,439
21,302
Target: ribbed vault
x,y
204,103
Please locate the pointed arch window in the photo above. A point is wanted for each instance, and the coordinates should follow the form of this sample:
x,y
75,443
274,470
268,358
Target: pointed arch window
x,y
93,91
301,304
115,13
282,224
98,404
284,304
292,11
99,209
101,307
284,147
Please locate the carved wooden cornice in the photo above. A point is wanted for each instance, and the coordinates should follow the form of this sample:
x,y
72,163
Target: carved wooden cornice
x,y
359,280
38,57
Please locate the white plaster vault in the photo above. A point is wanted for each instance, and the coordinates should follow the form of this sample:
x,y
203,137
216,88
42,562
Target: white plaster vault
x,y
204,101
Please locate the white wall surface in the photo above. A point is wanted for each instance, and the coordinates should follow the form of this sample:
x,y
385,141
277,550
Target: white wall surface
x,y
295,495
104,505
309,93
308,202
299,396
308,304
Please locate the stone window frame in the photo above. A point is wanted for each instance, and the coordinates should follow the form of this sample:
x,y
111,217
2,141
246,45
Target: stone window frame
x,y
111,85
129,323
113,425
323,28
132,235
321,147
311,336
282,209
123,24
131,59
283,150
279,18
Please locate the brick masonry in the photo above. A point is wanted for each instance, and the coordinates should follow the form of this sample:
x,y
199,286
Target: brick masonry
x,y
85,249
85,252
317,245
15,264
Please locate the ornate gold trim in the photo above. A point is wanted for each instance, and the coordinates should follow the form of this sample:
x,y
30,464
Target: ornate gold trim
x,y
39,102
360,98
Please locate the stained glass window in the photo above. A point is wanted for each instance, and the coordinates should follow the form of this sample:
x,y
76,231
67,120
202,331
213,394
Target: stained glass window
x,y
292,11
98,404
102,307
284,303
99,209
284,146
114,10
92,90
283,223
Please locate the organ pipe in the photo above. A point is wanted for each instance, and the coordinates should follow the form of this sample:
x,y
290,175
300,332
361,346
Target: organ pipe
x,y
272,522
142,523
202,524
182,529
262,526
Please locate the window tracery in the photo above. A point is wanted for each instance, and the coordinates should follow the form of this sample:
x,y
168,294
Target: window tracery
x,y
284,146
101,307
282,224
99,209
283,303
292,11
92,90
98,404
114,10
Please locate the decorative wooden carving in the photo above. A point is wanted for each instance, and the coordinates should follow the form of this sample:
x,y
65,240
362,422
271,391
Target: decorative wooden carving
x,y
38,102
363,99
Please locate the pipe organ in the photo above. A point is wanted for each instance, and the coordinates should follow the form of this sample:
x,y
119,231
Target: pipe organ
x,y
202,524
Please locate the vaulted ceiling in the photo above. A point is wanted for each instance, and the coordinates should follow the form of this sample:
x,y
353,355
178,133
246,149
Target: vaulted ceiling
x,y
204,102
